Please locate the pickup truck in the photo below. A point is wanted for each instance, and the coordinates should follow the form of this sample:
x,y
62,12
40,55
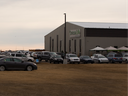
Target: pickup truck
x,y
45,55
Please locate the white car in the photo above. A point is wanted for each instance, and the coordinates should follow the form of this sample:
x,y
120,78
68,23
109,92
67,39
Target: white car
x,y
22,57
125,57
72,58
99,58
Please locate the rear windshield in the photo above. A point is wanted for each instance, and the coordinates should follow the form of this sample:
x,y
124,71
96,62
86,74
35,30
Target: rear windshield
x,y
118,55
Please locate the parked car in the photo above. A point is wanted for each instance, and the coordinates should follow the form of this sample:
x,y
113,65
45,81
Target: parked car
x,y
114,57
86,59
62,54
99,58
7,63
45,55
34,55
22,57
72,58
125,57
56,59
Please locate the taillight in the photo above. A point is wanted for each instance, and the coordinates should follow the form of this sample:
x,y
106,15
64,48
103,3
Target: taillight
x,y
120,58
114,58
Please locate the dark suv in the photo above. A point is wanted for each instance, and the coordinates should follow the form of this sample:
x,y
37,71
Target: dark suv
x,y
45,55
114,57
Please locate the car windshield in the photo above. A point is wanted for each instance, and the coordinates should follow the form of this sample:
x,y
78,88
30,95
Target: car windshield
x,y
52,53
118,55
58,56
86,57
102,57
73,56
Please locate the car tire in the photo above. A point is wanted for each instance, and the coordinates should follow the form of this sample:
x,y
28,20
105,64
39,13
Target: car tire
x,y
29,68
78,62
54,62
50,62
46,60
2,68
120,62
99,61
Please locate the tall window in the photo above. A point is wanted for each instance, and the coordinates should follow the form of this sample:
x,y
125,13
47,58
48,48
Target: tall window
x,y
75,46
60,45
80,46
57,43
50,43
69,45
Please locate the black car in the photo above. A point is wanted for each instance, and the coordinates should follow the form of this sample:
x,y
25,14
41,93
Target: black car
x,y
9,63
86,59
62,54
56,59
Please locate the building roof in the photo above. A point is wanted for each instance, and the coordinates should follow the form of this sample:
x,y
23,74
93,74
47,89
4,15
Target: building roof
x,y
101,25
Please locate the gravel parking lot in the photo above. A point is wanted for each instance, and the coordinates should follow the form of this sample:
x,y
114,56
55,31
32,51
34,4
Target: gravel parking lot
x,y
66,80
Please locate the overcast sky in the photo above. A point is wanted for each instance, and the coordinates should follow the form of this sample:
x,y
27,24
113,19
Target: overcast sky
x,y
24,23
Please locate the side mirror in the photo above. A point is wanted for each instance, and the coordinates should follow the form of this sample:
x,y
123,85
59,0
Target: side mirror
x,y
22,61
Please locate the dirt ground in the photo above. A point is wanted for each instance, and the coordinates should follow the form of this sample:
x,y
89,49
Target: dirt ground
x,y
66,80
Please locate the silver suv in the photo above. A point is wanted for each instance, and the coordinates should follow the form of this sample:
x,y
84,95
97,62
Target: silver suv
x,y
22,57
72,58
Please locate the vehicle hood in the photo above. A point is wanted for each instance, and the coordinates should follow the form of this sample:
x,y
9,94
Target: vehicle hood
x,y
74,58
103,58
87,59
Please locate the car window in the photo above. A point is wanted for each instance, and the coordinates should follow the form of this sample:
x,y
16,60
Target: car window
x,y
8,59
110,55
13,54
18,55
17,60
46,53
23,55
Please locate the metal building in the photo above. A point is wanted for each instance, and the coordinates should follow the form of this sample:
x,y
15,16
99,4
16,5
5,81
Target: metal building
x,y
83,36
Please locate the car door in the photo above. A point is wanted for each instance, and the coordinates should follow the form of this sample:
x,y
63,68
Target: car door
x,y
10,64
19,64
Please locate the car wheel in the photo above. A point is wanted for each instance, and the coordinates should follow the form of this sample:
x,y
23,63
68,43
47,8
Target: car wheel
x,y
2,68
29,68
46,60
126,60
78,62
54,62
50,61
84,62
99,61
120,62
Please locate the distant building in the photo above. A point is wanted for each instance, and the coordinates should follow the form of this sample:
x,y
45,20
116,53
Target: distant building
x,y
36,50
83,36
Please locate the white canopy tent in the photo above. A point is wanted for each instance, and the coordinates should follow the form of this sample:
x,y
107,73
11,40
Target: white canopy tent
x,y
123,48
111,48
98,49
